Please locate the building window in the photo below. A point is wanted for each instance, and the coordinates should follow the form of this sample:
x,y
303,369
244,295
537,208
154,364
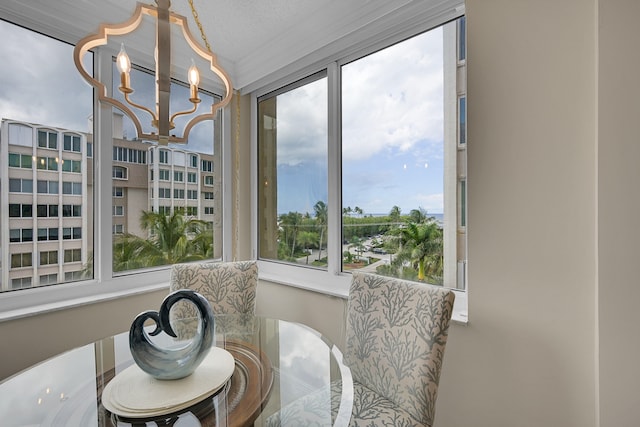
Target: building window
x,y
21,283
45,234
89,149
118,192
462,39
208,210
164,156
119,172
49,279
20,211
69,233
208,180
21,260
74,188
71,143
462,120
72,255
48,257
163,175
118,210
48,139
178,193
192,194
24,161
118,229
21,235
207,166
20,185
47,187
193,161
71,166
208,195
47,163
71,211
73,276
192,178
178,176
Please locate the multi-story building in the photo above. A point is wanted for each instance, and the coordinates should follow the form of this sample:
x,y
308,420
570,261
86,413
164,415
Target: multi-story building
x,y
47,196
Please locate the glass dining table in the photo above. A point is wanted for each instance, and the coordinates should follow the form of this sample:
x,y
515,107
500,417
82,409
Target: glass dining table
x,y
278,364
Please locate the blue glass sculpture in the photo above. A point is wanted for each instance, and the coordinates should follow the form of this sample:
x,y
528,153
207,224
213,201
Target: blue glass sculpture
x,y
172,363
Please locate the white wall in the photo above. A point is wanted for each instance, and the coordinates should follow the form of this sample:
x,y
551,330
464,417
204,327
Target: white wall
x,y
618,212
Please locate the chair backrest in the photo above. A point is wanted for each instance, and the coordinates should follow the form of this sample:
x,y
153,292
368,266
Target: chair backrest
x,y
230,287
396,335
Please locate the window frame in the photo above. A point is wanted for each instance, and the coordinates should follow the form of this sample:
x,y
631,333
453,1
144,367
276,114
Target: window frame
x,y
332,281
105,285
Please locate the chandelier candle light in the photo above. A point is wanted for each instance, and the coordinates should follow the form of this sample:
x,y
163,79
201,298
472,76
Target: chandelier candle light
x,y
161,119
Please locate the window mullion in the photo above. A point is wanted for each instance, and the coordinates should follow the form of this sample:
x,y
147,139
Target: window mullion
x,y
334,209
103,162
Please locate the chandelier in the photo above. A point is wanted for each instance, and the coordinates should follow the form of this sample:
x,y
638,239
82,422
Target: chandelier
x,y
161,119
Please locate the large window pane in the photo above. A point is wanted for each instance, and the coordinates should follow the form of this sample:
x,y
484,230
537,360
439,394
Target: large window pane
x,y
292,174
39,108
401,159
158,225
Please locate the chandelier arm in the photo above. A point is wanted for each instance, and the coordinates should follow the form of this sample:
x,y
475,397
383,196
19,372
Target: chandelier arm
x,y
141,107
181,113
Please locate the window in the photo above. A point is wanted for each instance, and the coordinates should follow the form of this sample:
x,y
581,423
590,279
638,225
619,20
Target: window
x,y
72,255
208,180
118,210
73,276
208,210
178,193
72,166
207,166
71,143
69,233
178,176
462,120
192,194
193,161
164,193
47,187
292,171
163,175
23,161
118,229
21,283
118,192
20,185
49,279
71,211
119,172
74,188
164,157
48,257
45,234
192,210
394,169
21,260
192,178
208,195
20,211
47,139
21,235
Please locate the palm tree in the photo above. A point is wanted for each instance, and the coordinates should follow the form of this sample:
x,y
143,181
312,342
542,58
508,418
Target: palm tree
x,y
320,209
394,214
172,239
418,216
290,222
421,245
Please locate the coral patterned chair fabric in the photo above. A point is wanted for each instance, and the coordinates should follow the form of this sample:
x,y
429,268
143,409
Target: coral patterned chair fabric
x,y
230,287
396,336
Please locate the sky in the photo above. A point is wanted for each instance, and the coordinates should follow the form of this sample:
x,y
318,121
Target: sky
x,y
392,120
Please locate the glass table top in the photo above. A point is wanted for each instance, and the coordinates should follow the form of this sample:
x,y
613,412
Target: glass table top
x,y
277,364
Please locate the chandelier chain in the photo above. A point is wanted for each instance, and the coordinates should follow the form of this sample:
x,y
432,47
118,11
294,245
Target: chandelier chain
x,y
199,24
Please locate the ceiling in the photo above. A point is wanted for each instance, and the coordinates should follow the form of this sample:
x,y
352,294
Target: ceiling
x,y
253,39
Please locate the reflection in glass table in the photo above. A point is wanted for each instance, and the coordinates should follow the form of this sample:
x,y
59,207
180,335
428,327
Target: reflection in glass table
x,y
277,364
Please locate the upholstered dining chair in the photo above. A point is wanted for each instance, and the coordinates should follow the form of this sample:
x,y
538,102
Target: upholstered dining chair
x,y
396,333
230,287
395,340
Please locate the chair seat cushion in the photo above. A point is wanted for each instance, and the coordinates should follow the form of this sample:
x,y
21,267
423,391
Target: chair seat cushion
x,y
369,410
